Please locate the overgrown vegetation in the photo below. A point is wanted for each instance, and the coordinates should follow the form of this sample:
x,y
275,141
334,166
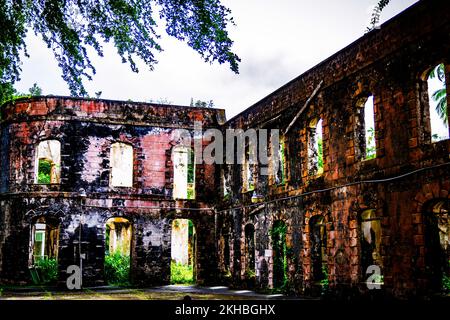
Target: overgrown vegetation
x,y
47,270
117,269
9,93
319,156
71,28
325,284
202,104
371,151
446,282
279,248
280,176
181,273
376,14
250,273
191,176
44,171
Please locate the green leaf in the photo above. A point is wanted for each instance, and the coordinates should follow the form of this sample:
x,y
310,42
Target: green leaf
x,y
70,28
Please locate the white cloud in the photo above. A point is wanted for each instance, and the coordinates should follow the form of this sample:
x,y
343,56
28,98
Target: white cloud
x,y
276,39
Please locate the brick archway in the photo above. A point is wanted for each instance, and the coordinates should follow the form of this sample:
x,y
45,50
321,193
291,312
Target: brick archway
x,y
429,195
310,214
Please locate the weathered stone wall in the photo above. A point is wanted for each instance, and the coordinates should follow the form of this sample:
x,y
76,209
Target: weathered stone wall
x,y
86,130
392,64
407,176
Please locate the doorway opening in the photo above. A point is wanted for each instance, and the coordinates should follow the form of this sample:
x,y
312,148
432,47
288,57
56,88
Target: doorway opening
x,y
118,251
44,244
278,234
437,245
183,252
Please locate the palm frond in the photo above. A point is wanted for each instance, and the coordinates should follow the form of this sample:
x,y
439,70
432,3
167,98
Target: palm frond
x,y
440,96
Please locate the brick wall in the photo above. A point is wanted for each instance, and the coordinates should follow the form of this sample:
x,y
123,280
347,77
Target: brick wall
x,y
391,64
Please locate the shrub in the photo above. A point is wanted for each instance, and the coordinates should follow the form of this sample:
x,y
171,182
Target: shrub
x,y
47,269
44,171
117,269
278,235
181,273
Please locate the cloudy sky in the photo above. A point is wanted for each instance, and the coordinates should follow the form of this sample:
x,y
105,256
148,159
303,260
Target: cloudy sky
x,y
276,39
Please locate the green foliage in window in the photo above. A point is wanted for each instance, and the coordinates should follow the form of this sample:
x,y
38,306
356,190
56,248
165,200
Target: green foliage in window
x,y
280,175
319,156
44,171
9,93
47,270
181,273
324,282
371,151
251,184
191,176
440,95
117,269
376,14
74,30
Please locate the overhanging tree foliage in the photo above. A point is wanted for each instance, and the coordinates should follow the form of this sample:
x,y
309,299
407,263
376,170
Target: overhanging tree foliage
x,y
70,27
376,14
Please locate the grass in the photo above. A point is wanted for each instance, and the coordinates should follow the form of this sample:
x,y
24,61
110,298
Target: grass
x,y
181,273
47,269
117,269
446,283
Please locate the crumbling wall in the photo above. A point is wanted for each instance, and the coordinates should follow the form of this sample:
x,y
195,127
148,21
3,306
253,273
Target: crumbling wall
x,y
86,130
391,64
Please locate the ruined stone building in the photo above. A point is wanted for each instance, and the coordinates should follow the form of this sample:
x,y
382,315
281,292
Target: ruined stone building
x,y
363,186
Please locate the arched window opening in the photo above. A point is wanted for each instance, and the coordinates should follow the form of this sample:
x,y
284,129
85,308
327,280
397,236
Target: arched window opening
x,y
318,240
437,245
315,148
48,162
184,173
370,233
183,252
437,98
365,142
118,251
121,160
